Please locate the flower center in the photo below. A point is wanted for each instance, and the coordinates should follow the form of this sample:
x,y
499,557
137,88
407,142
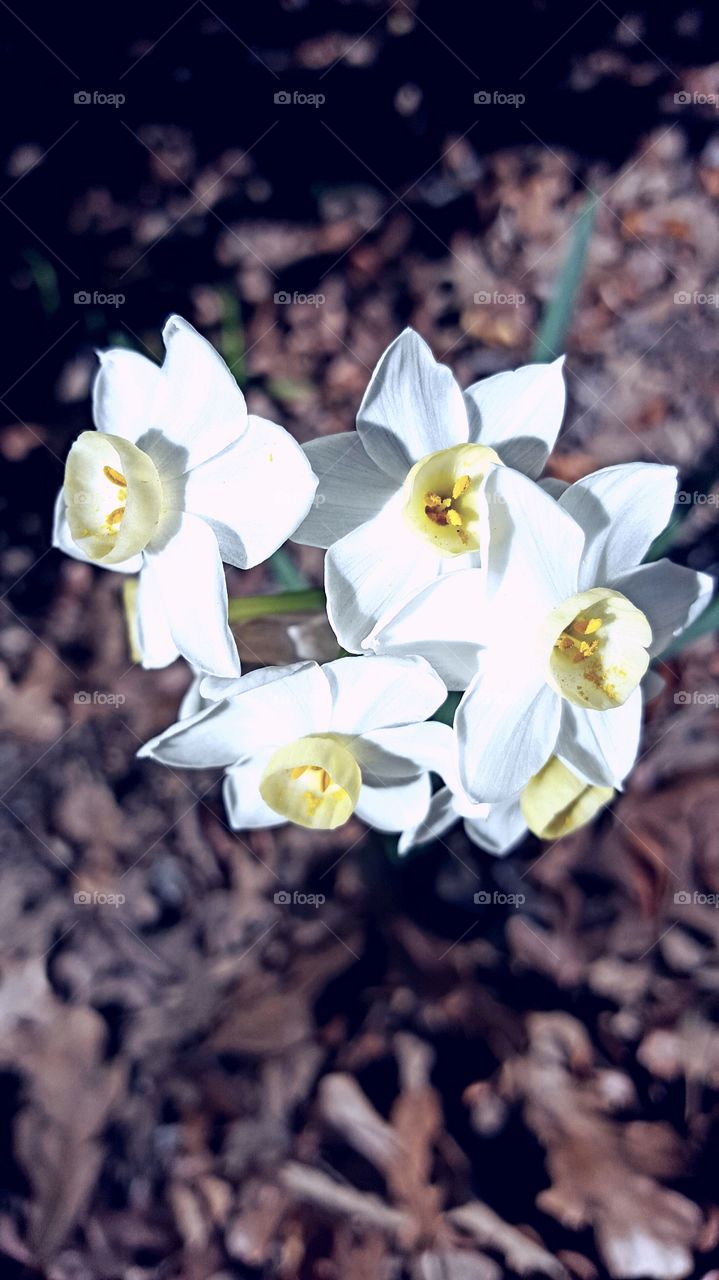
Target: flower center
x,y
314,781
113,496
444,500
598,648
556,801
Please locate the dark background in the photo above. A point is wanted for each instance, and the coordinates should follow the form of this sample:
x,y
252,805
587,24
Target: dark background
x,y
166,1064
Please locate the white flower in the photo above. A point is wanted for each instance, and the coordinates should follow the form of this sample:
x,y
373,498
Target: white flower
x,y
554,646
177,478
311,744
555,802
401,500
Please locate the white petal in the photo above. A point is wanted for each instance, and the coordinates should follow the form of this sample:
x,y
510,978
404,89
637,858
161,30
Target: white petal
x,y
64,541
394,808
670,595
519,414
193,700
406,750
535,547
622,510
412,407
269,707
154,637
445,623
372,572
553,486
186,573
351,489
253,494
652,685
439,818
202,410
241,793
501,831
127,394
601,745
507,724
374,692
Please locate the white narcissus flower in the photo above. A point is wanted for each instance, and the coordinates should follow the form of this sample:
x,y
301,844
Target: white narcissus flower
x,y
177,478
568,623
401,501
312,744
555,802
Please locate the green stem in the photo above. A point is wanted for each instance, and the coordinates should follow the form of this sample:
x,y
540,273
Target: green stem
x,y
245,608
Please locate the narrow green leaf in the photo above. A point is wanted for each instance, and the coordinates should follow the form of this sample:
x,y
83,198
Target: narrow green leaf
x,y
285,572
550,340
245,608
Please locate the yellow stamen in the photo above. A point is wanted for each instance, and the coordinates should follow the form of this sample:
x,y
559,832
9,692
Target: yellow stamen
x,y
599,649
586,626
115,517
460,486
445,503
115,476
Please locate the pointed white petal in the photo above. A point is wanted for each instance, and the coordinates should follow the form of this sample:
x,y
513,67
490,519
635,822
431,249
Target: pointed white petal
x,y
253,494
268,708
501,831
154,638
440,817
351,489
373,571
64,541
127,394
535,547
507,724
622,510
245,807
601,745
202,410
445,624
412,407
193,700
669,595
406,750
186,573
519,414
394,808
375,692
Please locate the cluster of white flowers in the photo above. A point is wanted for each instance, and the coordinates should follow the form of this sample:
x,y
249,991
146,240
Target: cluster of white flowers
x,y
451,565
